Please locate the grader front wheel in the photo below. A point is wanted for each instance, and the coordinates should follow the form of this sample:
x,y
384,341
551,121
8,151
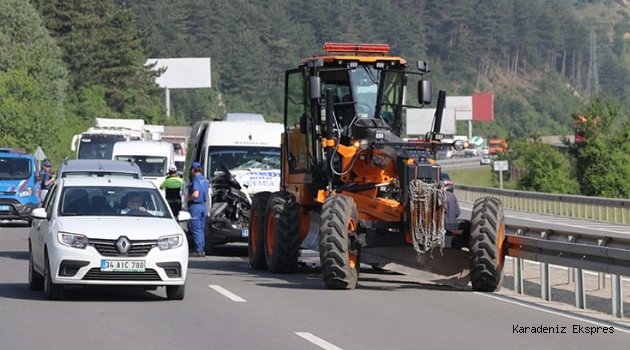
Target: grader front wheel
x,y
255,242
339,250
487,253
282,239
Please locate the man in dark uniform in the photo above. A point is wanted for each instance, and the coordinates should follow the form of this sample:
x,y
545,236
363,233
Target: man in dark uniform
x,y
197,197
45,176
172,187
452,207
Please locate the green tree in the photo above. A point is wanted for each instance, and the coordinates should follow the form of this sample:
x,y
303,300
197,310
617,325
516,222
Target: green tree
x,y
32,81
603,160
102,48
545,169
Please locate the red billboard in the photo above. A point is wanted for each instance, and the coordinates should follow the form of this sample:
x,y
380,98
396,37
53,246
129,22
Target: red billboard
x,y
483,106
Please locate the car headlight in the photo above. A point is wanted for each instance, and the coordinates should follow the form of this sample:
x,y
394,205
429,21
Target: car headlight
x,y
27,192
72,239
170,242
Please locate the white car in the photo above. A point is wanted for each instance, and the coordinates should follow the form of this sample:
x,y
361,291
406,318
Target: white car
x,y
107,231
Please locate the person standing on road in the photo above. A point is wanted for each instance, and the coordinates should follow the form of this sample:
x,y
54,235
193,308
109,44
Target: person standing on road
x,y
452,206
197,197
172,189
45,176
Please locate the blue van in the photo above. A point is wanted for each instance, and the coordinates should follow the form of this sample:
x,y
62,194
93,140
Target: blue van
x,y
19,185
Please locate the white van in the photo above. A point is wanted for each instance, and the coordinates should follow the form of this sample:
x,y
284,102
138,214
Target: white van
x,y
250,150
153,157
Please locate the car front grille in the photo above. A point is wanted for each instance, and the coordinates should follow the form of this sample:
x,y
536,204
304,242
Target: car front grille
x,y
95,274
107,247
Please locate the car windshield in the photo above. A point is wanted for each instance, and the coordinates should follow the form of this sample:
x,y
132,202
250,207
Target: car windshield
x,y
243,158
150,166
97,146
112,201
14,168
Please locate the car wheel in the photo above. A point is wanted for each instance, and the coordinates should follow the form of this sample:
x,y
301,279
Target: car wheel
x,y
175,292
35,279
51,291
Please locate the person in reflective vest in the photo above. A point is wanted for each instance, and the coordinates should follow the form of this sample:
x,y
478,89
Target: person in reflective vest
x,y
197,197
172,187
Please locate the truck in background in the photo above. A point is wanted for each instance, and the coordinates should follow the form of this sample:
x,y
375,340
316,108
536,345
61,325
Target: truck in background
x,y
249,149
153,158
98,141
497,146
19,185
178,136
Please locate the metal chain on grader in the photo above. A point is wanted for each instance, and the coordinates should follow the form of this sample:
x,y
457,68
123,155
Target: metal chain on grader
x,y
427,204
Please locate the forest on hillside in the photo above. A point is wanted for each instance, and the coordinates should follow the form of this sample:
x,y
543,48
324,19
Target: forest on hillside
x,y
63,63
534,55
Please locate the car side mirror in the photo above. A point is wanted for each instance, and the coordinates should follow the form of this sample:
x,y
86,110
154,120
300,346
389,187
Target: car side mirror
x,y
38,213
183,216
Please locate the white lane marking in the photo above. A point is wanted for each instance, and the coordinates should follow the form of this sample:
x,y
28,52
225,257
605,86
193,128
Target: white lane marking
x,y
617,326
318,341
226,293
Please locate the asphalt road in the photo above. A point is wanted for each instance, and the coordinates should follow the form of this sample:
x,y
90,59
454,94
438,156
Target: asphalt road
x,y
230,306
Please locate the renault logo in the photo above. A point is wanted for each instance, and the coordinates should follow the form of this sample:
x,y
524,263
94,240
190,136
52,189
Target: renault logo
x,y
123,245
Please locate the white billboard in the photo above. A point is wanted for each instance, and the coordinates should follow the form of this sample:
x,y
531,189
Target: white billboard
x,y
183,73
462,105
420,121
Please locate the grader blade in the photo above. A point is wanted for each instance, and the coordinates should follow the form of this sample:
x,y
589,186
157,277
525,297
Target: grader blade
x,y
448,267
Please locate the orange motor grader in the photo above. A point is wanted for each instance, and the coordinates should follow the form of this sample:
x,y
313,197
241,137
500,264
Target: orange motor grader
x,y
350,180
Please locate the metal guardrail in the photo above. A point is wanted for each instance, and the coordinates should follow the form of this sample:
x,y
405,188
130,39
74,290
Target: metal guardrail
x,y
594,252
616,211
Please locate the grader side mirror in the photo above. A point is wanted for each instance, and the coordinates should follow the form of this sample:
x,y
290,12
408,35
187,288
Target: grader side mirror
x,y
424,91
314,86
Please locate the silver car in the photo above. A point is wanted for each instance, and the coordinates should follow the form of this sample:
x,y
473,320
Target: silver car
x,y
98,168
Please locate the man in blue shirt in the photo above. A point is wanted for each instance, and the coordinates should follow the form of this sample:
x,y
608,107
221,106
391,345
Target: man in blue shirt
x,y
45,176
197,197
452,207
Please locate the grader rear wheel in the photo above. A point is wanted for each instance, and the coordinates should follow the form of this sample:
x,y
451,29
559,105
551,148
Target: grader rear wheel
x,y
487,252
282,239
339,249
255,242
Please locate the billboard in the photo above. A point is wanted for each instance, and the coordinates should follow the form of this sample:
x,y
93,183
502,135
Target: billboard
x,y
420,121
483,106
182,73
463,106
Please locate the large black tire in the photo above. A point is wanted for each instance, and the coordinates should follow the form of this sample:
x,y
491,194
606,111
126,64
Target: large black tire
x,y
487,253
51,291
256,240
176,292
282,236
35,279
339,249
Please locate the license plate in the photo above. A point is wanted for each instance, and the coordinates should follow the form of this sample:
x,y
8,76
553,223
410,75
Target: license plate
x,y
122,265
244,232
4,208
